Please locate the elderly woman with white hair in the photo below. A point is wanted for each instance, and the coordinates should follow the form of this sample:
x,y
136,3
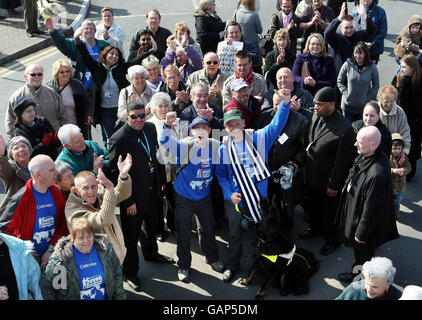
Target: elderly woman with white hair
x,y
377,283
160,106
14,160
152,65
136,91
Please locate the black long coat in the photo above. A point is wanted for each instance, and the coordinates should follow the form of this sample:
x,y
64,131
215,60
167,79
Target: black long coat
x,y
330,152
125,140
208,30
366,209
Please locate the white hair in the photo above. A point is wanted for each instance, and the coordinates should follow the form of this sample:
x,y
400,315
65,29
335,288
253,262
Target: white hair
x,y
379,268
61,167
195,86
65,132
157,98
37,163
180,49
136,69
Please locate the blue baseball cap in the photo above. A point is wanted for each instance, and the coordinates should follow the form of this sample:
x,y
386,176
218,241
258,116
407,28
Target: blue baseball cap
x,y
197,121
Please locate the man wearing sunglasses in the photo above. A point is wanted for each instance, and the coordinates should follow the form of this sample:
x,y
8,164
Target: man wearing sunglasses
x,y
48,102
212,75
139,213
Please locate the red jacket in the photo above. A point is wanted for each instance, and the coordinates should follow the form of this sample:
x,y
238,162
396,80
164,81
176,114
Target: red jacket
x,y
18,219
248,115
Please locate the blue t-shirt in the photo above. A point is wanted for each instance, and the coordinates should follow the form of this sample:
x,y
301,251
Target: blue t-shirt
x,y
87,78
45,221
91,274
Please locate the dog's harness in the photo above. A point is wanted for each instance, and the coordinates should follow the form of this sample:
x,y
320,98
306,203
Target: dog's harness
x,y
289,256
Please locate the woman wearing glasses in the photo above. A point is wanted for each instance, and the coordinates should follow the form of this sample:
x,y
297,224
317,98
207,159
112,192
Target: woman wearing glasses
x,y
211,75
75,97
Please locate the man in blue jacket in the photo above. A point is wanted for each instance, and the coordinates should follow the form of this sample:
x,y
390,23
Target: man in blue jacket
x,y
243,176
196,159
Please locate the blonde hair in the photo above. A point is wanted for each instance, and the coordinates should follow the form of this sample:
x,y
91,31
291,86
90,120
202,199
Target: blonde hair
x,y
181,26
321,41
61,63
280,34
80,225
206,4
384,90
171,68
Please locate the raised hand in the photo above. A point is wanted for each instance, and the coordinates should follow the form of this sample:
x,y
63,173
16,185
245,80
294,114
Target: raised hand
x,y
98,162
295,103
170,118
124,166
154,44
49,24
102,179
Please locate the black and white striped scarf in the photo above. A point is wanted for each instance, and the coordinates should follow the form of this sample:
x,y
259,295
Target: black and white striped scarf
x,y
250,193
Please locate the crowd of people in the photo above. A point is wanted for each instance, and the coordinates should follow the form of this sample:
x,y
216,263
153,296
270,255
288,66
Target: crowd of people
x,y
206,132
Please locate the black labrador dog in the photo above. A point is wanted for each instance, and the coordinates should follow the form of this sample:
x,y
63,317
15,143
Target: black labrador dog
x,y
278,262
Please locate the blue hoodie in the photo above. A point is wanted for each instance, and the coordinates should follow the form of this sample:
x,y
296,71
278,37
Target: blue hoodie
x,y
27,270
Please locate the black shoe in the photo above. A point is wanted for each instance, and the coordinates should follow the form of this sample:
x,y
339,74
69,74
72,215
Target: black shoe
x,y
38,31
161,259
133,281
346,277
2,17
308,234
161,237
328,248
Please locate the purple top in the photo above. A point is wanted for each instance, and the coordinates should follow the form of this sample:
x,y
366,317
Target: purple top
x,y
321,69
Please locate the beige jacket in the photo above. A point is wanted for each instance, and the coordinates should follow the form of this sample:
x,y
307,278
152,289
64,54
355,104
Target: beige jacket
x,y
104,219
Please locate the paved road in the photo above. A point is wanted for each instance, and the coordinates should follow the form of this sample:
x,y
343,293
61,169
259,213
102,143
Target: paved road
x,y
160,281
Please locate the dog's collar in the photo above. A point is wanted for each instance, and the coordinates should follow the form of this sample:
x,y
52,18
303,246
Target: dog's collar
x,y
288,256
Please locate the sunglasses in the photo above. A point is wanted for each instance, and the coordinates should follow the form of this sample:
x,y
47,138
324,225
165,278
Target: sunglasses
x,y
65,71
39,74
213,62
136,116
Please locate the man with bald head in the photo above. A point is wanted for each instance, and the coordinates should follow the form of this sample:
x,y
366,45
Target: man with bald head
x,y
48,102
212,75
36,212
286,80
366,212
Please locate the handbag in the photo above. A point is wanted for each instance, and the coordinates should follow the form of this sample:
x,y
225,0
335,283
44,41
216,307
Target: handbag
x,y
266,44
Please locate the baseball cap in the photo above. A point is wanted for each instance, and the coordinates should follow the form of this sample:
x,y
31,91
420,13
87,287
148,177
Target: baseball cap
x,y
233,114
238,84
197,121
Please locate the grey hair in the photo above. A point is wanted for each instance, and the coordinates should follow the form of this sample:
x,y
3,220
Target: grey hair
x,y
61,167
136,69
181,49
157,98
65,131
37,163
14,141
88,22
201,84
151,62
206,4
379,268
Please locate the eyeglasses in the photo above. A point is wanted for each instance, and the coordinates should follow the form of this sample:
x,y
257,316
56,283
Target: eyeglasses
x,y
39,74
213,62
136,116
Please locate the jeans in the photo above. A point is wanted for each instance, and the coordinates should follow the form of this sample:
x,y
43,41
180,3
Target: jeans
x,y
108,121
397,200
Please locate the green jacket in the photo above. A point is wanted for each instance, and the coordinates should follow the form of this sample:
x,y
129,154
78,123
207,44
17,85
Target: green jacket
x,y
69,289
86,160
356,291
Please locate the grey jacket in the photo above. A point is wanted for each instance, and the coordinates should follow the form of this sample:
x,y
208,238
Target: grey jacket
x,y
250,23
357,87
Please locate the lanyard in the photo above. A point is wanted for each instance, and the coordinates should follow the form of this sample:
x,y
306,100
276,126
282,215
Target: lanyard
x,y
146,148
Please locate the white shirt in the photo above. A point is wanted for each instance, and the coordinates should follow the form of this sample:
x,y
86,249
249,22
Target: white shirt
x,y
116,32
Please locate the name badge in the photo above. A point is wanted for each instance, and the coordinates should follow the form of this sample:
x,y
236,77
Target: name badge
x,y
283,138
151,167
107,94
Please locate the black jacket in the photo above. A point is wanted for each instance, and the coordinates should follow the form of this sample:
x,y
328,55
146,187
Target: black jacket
x,y
160,38
125,140
208,30
217,121
99,75
293,149
330,152
35,134
385,145
366,208
410,100
174,107
83,103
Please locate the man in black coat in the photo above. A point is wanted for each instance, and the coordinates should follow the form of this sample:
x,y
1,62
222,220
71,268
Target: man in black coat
x,y
139,213
329,155
366,212
287,151
160,35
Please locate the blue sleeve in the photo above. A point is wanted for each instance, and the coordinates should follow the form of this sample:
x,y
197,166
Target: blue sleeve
x,y
381,27
34,276
222,172
172,145
271,132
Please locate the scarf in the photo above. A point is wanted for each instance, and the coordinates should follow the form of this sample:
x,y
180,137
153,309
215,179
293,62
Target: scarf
x,y
250,193
248,79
